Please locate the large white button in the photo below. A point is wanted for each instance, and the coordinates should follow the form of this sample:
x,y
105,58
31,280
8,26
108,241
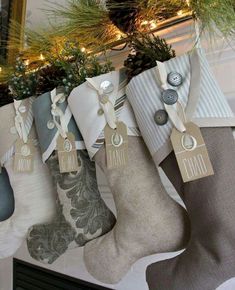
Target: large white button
x,y
107,87
50,125
22,109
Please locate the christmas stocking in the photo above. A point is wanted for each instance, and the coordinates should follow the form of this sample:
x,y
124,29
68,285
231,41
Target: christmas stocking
x,y
33,191
148,220
82,215
174,93
7,202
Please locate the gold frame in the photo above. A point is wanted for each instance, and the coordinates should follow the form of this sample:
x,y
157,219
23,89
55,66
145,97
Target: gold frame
x,y
17,15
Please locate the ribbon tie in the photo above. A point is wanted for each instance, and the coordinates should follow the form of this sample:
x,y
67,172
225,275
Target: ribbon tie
x,y
58,113
172,112
105,104
19,122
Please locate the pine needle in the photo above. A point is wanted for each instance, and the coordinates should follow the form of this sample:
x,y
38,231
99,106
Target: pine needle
x,y
215,15
86,20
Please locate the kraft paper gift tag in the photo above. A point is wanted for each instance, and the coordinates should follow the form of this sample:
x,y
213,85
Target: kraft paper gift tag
x,y
116,144
23,160
191,153
67,153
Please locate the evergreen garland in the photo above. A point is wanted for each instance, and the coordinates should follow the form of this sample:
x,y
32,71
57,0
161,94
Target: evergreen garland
x,y
77,65
23,84
146,50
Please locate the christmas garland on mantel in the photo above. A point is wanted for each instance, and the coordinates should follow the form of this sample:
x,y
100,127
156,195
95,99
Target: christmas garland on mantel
x,y
98,26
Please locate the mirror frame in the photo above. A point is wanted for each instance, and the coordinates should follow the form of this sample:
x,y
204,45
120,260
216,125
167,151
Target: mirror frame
x,y
16,12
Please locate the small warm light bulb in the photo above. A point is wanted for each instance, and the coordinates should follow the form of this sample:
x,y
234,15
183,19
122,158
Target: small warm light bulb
x,y
145,22
83,49
188,2
0,69
153,24
180,13
26,62
42,57
119,36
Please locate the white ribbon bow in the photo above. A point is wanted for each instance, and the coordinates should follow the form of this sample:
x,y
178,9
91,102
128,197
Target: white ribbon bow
x,y
105,104
19,122
57,112
172,113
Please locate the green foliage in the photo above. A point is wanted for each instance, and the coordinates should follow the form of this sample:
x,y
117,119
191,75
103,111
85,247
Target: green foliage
x,y
151,9
77,66
215,15
146,49
86,20
22,84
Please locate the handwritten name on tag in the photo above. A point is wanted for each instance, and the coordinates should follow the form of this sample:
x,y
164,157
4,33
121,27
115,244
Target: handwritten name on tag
x,y
67,154
116,144
23,160
191,153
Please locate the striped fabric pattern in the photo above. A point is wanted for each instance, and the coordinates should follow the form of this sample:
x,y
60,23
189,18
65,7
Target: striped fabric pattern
x,y
132,131
144,94
28,126
120,101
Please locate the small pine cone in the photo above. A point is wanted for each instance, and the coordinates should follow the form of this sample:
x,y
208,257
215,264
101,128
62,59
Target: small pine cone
x,y
137,63
49,78
124,18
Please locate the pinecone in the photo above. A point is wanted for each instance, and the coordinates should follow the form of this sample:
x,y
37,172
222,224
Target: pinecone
x,y
137,63
146,49
49,78
125,18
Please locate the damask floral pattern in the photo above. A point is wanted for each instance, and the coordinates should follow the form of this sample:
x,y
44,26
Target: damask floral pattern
x,y
82,214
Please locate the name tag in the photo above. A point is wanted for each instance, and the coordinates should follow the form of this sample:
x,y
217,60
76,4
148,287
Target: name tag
x,y
191,153
116,145
23,160
67,154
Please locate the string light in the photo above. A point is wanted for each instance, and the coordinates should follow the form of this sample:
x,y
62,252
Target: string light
x,y
42,57
83,49
153,24
145,22
149,24
26,62
0,69
119,36
180,13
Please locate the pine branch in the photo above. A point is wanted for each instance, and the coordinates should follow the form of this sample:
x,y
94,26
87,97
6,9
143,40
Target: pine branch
x,y
146,49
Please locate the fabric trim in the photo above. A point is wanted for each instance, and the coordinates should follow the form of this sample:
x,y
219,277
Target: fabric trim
x,y
79,144
28,127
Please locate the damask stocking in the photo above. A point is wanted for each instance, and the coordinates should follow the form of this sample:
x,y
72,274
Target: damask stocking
x,y
82,214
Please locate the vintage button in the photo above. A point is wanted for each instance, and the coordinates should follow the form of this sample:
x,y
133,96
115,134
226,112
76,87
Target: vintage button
x,y
107,87
161,117
13,130
169,97
50,125
100,112
22,109
175,79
